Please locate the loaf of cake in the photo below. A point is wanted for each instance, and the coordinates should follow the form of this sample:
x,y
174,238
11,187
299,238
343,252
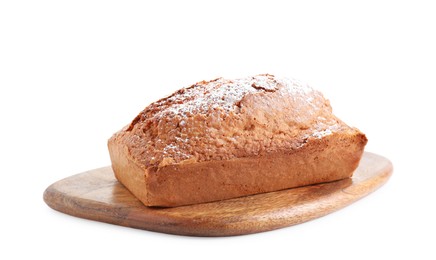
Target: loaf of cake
x,y
223,138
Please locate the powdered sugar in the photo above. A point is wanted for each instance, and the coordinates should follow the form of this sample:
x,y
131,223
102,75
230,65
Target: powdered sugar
x,y
295,86
218,94
321,134
204,97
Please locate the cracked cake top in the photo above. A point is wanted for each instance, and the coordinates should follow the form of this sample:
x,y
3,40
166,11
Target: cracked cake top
x,y
224,119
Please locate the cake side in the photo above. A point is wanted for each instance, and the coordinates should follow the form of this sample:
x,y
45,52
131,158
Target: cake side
x,y
328,159
127,171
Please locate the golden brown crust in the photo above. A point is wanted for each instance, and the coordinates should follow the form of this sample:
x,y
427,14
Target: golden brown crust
x,y
229,138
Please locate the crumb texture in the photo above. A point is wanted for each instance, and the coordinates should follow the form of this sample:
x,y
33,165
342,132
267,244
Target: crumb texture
x,y
224,119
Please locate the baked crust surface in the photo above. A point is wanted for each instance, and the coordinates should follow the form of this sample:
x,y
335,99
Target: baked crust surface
x,y
225,138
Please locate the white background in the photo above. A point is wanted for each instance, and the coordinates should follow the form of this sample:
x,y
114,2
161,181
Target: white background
x,y
74,72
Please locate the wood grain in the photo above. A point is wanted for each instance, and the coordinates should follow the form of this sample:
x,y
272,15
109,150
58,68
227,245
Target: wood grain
x,y
97,195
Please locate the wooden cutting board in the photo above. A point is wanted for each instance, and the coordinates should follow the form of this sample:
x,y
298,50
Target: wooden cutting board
x,y
97,195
